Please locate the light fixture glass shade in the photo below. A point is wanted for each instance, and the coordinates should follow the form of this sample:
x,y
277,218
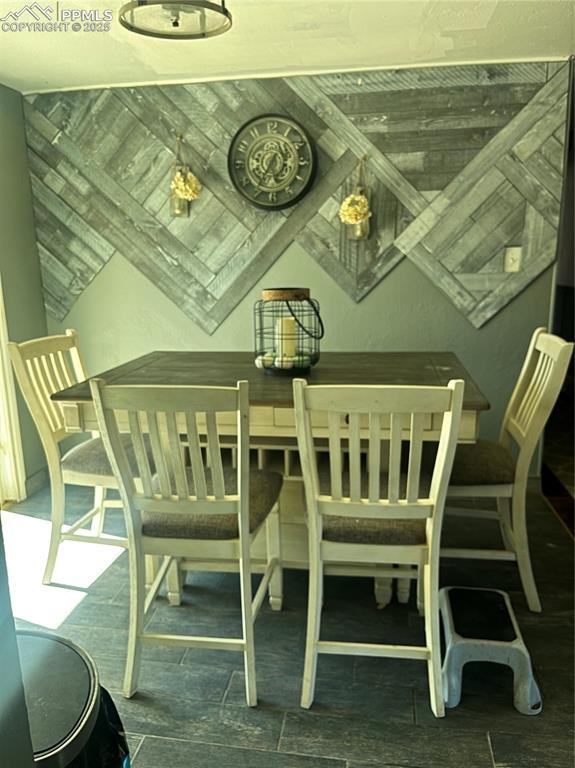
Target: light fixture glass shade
x,y
176,20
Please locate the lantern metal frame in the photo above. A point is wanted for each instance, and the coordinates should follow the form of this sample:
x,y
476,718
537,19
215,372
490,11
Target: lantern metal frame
x,y
176,12
287,332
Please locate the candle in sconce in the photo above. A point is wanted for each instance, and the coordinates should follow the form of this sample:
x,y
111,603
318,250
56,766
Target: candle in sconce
x,y
285,337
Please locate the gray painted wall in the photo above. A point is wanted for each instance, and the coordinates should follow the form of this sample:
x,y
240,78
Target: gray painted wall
x,y
19,264
121,315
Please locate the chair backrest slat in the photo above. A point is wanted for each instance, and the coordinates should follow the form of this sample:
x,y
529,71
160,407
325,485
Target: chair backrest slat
x,y
42,367
394,473
532,391
535,393
41,384
196,456
160,460
176,452
415,454
334,426
354,458
402,496
215,454
374,457
59,369
170,417
144,470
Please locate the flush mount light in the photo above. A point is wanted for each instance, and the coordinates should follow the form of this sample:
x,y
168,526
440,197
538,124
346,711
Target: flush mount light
x,y
176,20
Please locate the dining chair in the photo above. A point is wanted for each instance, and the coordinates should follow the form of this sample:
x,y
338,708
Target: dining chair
x,y
380,516
199,517
500,470
44,366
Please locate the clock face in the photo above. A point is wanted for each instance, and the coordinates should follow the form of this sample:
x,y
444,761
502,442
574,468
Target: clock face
x,y
272,162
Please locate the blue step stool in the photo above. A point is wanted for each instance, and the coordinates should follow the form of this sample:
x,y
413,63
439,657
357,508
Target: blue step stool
x,y
480,625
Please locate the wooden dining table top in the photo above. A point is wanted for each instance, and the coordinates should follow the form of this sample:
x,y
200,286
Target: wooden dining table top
x,y
227,368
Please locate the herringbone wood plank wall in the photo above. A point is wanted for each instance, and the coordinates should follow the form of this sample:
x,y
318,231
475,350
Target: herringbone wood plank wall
x,y
463,162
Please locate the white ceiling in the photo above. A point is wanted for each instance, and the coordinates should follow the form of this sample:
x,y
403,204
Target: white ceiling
x,y
282,37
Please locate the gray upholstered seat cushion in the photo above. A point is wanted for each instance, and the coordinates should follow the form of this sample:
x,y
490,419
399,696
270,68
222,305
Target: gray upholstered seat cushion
x,y
354,530
265,487
89,458
480,463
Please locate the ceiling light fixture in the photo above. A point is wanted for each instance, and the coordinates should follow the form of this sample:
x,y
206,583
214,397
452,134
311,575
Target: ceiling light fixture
x,y
176,20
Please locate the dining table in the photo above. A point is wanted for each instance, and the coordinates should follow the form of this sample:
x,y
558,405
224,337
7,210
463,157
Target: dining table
x,y
272,424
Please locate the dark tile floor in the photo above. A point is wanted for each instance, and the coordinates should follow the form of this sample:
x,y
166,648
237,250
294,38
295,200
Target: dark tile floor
x,y
190,711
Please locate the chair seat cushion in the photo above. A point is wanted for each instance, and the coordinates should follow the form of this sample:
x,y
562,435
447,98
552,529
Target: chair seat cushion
x,y
353,530
265,487
90,458
359,530
482,463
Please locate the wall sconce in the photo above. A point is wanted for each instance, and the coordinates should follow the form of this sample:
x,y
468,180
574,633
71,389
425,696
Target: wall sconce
x,y
184,186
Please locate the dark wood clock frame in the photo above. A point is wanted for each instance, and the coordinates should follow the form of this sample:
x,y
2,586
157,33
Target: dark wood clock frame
x,y
313,161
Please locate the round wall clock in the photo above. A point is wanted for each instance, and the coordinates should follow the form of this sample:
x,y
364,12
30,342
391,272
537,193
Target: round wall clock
x,y
272,162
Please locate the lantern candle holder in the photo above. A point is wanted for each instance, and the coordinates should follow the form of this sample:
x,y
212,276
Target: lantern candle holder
x,y
288,328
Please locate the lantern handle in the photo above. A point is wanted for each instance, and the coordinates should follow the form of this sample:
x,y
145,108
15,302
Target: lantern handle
x,y
314,336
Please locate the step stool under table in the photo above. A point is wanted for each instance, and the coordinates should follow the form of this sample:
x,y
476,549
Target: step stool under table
x,y
480,625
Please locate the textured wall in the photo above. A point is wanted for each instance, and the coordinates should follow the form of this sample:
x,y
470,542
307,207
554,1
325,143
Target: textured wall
x,y
19,264
463,161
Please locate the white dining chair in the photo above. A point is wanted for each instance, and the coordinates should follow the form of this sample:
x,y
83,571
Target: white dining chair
x,y
44,366
378,516
500,470
194,517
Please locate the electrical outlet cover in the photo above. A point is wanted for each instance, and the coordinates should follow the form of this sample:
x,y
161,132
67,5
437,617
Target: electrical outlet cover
x,y
512,259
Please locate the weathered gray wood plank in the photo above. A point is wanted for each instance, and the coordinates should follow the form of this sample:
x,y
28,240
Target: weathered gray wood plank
x,y
333,266
481,281
432,161
72,250
438,98
554,66
434,120
504,141
382,265
216,178
449,227
433,141
97,247
545,174
529,186
486,237
224,283
285,234
536,233
502,295
441,277
541,131
342,127
553,152
229,245
438,77
165,242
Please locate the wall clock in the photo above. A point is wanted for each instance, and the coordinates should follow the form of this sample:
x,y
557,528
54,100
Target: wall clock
x,y
272,162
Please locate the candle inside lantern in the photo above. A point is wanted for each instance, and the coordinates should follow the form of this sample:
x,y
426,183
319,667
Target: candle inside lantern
x,y
285,337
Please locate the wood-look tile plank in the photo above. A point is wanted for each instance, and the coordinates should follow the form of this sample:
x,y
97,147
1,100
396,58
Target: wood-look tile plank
x,y
175,753
393,742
